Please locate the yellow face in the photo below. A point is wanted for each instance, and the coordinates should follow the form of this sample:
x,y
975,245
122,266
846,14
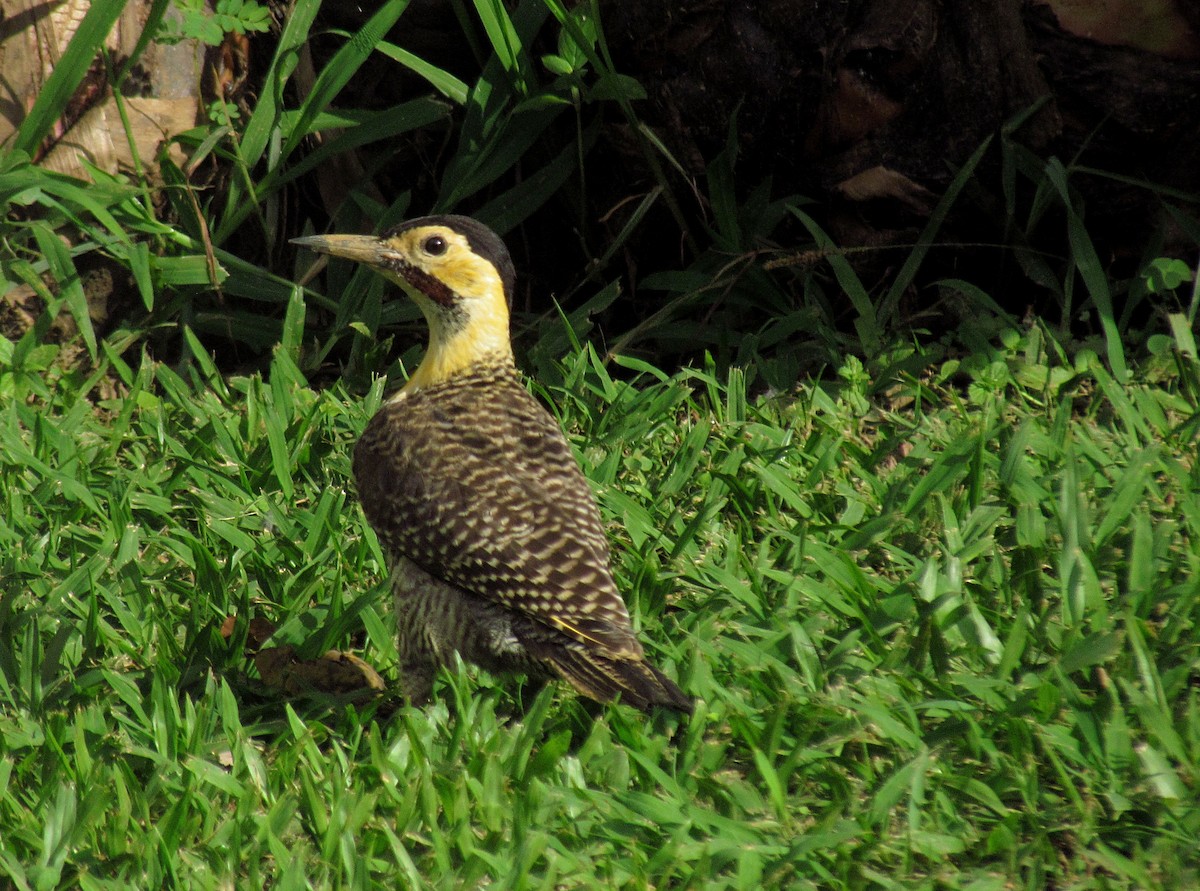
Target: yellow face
x,y
460,293
438,264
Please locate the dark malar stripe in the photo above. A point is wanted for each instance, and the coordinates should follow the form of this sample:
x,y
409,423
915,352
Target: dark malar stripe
x,y
432,287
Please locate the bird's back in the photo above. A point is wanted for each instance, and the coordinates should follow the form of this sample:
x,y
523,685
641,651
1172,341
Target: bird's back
x,y
473,480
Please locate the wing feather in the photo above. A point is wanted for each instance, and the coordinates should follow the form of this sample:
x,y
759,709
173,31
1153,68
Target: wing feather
x,y
474,481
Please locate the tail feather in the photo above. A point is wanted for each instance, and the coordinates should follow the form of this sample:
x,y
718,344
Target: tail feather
x,y
636,681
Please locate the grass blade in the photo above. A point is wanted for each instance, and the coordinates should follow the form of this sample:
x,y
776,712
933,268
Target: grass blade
x,y
62,267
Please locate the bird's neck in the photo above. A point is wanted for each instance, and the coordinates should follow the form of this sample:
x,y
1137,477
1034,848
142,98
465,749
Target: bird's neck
x,y
458,346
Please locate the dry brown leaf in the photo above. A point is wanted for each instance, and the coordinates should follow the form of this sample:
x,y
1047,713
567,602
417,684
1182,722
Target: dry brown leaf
x,y
335,673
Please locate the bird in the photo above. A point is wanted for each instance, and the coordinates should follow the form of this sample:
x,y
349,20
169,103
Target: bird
x,y
495,547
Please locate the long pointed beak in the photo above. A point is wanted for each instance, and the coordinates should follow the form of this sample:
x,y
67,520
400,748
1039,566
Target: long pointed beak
x,y
368,249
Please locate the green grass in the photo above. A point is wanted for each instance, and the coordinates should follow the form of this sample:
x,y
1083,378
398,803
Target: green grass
x,y
943,635
940,616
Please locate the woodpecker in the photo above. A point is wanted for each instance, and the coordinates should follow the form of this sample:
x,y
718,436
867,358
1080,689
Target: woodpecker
x,y
495,546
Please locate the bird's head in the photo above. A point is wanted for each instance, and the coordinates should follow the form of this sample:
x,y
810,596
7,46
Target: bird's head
x,y
458,272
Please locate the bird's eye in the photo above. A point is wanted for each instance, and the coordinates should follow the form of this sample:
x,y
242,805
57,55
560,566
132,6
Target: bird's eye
x,y
435,245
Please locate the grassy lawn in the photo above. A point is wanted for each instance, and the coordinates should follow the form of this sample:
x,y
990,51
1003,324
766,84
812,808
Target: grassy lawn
x,y
935,593
943,634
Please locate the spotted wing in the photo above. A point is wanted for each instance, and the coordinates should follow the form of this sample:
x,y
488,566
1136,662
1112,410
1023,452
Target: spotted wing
x,y
473,480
